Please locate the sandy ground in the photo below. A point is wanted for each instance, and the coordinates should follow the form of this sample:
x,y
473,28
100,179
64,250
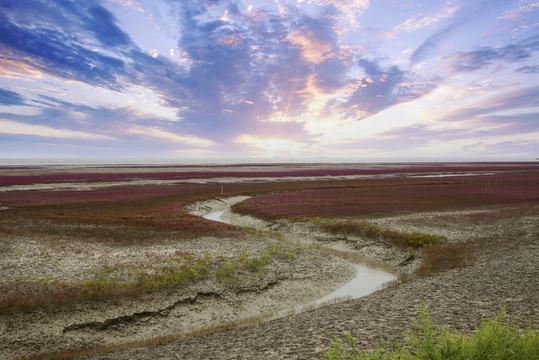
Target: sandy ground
x,y
505,273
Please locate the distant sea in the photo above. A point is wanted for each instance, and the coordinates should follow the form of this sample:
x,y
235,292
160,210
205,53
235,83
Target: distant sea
x,y
224,161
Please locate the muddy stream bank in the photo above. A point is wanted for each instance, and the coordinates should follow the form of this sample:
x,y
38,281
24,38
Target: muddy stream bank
x,y
503,274
287,286
367,279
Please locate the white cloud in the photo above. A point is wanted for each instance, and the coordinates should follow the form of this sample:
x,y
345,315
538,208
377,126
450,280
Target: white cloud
x,y
271,146
194,153
133,5
13,69
420,21
16,128
351,10
165,135
312,49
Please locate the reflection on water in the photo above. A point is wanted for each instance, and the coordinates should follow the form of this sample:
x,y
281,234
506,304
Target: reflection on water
x,y
366,281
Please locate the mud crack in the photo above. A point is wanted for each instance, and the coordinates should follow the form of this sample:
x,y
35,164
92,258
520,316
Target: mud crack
x,y
143,316
146,316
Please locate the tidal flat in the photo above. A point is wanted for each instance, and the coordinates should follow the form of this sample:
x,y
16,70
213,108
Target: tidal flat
x,y
117,262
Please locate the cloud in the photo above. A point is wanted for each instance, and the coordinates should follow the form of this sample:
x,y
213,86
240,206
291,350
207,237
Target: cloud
x,y
523,14
89,16
471,139
315,38
29,34
463,15
13,68
10,98
430,45
287,76
497,146
529,69
10,127
527,98
226,60
312,49
103,25
49,51
477,59
385,87
420,21
154,132
193,153
346,10
272,145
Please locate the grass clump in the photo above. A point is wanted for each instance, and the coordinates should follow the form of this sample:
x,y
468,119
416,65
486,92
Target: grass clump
x,y
227,273
494,339
373,231
28,294
123,280
438,258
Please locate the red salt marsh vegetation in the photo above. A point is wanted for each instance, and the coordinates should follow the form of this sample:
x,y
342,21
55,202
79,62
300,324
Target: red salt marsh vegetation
x,y
352,209
26,176
397,196
81,256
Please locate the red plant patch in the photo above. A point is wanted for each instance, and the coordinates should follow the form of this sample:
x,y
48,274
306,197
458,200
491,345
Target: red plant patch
x,y
397,196
271,170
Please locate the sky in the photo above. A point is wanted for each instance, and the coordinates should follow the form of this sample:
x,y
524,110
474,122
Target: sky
x,y
365,79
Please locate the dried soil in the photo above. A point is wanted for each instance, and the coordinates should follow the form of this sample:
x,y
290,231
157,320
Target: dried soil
x,y
199,305
504,274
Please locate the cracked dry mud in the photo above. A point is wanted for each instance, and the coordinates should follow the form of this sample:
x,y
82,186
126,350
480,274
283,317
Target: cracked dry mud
x,y
199,305
504,275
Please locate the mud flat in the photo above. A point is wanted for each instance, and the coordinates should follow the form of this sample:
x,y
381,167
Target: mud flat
x,y
368,278
200,305
67,235
503,273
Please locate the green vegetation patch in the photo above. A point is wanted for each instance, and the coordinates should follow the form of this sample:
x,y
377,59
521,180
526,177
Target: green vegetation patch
x,y
27,294
229,271
115,282
494,339
373,231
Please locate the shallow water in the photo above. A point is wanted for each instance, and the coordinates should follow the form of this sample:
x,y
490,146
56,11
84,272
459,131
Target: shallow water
x,y
366,281
215,215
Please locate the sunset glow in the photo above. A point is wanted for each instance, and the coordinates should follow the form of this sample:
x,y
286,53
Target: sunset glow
x,y
450,79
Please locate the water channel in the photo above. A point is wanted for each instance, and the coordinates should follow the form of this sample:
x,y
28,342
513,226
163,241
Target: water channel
x,y
366,281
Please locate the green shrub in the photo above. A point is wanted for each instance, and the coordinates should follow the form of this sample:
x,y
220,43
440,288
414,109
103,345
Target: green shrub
x,y
494,339
373,231
290,256
228,272
30,294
